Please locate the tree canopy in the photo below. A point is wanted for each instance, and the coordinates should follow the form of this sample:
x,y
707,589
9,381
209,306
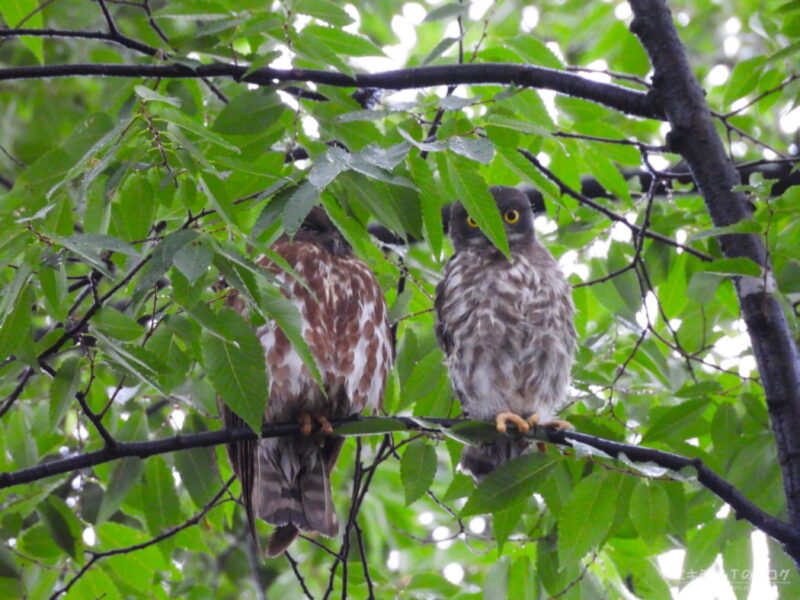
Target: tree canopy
x,y
151,150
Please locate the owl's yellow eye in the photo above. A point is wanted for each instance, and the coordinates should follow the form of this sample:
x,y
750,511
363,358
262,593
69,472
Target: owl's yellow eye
x,y
471,222
511,216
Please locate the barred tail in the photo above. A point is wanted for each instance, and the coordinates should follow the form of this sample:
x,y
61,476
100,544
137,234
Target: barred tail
x,y
293,488
479,461
242,457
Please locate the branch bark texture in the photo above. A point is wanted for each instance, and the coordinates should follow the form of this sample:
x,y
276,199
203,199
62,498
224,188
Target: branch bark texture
x,y
784,532
620,98
678,94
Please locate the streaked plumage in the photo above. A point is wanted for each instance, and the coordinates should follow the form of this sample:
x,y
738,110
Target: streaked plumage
x,y
285,481
506,327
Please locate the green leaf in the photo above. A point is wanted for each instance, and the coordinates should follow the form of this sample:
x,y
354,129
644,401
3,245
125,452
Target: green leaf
x,y
511,482
474,194
288,318
8,563
588,516
193,260
126,472
505,521
733,266
14,12
649,509
159,498
744,78
371,427
672,421
14,328
417,469
430,202
341,42
63,388
522,579
162,258
62,524
199,473
477,149
300,203
237,369
148,95
446,11
117,324
250,112
324,10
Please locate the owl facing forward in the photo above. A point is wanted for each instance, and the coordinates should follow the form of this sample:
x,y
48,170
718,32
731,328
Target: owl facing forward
x,y
506,328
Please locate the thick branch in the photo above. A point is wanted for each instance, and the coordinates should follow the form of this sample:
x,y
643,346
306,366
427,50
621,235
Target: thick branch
x,y
614,96
678,93
745,509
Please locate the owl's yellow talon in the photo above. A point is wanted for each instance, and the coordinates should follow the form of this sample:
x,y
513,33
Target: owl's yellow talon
x,y
533,420
305,423
324,425
504,417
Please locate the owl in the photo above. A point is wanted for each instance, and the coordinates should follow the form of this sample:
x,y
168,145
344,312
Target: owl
x,y
286,481
506,328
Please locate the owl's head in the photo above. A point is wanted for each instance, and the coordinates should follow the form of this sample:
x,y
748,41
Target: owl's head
x,y
515,210
318,228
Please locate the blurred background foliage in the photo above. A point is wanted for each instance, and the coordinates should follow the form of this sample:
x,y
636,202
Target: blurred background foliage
x,y
142,196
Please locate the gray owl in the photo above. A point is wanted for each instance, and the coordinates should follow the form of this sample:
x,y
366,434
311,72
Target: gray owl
x,y
286,480
506,328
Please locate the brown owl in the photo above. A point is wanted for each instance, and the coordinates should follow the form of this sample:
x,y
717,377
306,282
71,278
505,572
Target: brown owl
x,y
506,328
285,481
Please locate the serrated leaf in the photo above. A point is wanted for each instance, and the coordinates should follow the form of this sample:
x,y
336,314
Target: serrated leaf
x,y
439,49
342,42
216,192
477,149
588,516
460,487
199,473
162,257
288,318
159,498
511,482
417,469
649,509
193,260
430,202
505,521
237,369
126,472
299,204
148,95
117,324
474,194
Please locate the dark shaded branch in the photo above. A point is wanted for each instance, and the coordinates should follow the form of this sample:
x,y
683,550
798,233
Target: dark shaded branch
x,y
114,37
694,137
6,183
620,98
744,508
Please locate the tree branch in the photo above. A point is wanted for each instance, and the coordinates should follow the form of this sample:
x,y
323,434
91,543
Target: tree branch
x,y
620,98
693,136
783,532
113,36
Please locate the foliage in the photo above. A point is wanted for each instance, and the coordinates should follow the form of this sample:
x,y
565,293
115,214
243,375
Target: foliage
x,y
128,202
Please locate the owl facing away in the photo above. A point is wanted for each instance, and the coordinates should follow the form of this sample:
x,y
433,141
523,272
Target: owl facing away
x,y
286,480
506,328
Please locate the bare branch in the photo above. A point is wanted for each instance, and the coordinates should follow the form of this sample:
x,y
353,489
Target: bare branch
x,y
744,508
620,98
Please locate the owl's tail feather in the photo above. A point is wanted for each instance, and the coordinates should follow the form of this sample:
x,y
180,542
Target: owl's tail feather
x,y
293,488
479,461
